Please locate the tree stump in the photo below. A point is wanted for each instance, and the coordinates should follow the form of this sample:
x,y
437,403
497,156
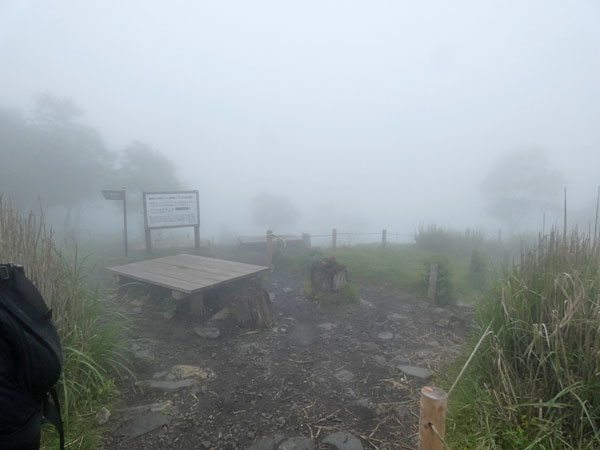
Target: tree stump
x,y
251,308
327,276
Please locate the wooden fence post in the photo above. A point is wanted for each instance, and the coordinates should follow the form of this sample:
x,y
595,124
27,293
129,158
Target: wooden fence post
x,y
334,239
432,418
306,240
433,276
269,248
383,238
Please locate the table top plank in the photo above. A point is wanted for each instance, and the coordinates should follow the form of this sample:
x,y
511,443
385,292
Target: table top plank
x,y
187,273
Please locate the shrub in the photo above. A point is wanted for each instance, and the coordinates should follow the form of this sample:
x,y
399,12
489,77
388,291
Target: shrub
x,y
88,323
534,381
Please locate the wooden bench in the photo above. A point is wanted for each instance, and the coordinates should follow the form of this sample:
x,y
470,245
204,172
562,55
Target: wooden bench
x,y
186,275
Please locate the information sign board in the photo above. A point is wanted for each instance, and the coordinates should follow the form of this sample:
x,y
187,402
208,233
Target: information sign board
x,y
171,209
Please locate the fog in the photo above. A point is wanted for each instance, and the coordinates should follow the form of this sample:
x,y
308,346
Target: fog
x,y
364,115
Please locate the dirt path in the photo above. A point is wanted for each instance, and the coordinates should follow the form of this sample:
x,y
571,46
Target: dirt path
x,y
320,370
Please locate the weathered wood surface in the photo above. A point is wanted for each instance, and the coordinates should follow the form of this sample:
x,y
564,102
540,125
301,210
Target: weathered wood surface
x,y
188,274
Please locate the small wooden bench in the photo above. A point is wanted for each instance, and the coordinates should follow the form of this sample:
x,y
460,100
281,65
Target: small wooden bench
x,y
186,275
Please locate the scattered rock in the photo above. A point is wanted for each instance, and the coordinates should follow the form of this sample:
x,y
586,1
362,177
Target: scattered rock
x,y
363,402
385,335
142,424
181,372
366,303
222,314
370,347
395,317
398,361
267,443
379,360
343,441
345,376
102,416
158,375
168,386
287,290
443,322
207,332
302,335
425,354
141,353
250,347
154,407
170,313
327,326
297,443
272,296
417,372
434,344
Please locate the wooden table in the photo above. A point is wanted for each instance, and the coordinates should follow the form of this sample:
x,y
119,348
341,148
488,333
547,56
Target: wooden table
x,y
186,275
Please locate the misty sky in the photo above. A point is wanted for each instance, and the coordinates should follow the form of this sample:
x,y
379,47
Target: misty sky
x,y
378,113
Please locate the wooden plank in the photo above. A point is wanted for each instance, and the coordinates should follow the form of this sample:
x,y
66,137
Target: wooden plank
x,y
188,273
182,273
158,280
213,262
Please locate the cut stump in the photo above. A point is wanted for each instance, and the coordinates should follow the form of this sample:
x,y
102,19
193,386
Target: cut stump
x,y
251,308
327,276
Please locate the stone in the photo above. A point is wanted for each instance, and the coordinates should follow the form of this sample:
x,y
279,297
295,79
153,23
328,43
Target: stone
x,y
102,416
297,443
144,423
222,314
168,386
345,376
398,361
363,402
395,317
287,290
370,347
380,360
417,372
141,353
169,314
327,326
267,443
161,374
342,440
207,332
385,335
443,322
182,371
425,354
366,303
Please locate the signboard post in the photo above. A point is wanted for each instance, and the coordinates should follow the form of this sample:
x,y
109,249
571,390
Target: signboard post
x,y
119,195
171,210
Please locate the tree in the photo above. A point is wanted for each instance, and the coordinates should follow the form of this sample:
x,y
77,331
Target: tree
x,y
273,211
519,184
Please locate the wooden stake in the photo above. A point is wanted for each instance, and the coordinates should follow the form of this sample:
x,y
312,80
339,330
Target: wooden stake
x,y
565,219
433,276
306,240
432,418
269,248
334,239
596,223
383,238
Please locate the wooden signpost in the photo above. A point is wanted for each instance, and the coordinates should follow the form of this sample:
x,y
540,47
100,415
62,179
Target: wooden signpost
x,y
119,195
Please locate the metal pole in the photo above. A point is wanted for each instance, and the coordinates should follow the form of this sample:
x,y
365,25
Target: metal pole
x,y
125,219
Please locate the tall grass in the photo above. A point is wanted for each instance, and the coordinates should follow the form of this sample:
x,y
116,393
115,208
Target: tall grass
x,y
535,381
88,324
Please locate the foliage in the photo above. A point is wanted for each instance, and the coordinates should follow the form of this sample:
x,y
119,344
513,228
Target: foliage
x,y
478,270
519,184
67,162
88,323
534,381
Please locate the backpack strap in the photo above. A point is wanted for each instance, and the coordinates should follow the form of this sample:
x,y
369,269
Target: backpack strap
x,y
51,412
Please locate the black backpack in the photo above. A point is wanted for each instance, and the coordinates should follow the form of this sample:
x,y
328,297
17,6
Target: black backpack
x,y
30,362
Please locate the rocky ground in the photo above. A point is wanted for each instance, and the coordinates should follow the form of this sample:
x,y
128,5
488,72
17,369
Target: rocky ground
x,y
336,376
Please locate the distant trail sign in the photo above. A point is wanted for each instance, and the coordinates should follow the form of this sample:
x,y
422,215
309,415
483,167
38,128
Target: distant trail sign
x,y
171,210
119,195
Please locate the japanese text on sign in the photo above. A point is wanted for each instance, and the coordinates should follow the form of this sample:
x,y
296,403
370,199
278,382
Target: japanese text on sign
x,y
171,209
